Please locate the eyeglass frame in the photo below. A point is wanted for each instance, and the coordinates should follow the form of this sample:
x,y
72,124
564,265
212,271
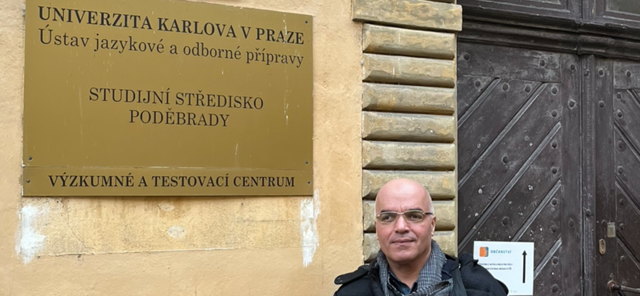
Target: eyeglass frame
x,y
398,214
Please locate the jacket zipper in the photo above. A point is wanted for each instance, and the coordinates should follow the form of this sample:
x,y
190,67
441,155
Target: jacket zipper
x,y
444,286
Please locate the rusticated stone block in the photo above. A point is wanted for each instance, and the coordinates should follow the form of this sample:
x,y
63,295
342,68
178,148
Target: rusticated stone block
x,y
403,98
447,242
411,71
404,155
445,212
368,215
408,127
370,247
410,13
445,239
390,40
441,185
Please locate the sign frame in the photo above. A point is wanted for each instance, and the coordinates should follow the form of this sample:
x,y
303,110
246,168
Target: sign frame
x,y
153,89
509,262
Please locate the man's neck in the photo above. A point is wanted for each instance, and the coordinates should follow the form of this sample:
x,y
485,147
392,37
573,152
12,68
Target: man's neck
x,y
408,273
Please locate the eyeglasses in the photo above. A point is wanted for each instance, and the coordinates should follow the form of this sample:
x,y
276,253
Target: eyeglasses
x,y
412,216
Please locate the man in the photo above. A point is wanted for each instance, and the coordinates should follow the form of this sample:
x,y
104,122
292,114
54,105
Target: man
x,y
409,262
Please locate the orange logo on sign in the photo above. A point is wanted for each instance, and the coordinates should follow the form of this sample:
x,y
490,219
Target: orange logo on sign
x,y
484,251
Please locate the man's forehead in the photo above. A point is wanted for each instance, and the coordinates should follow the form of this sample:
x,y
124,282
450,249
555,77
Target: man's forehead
x,y
402,188
403,201
404,195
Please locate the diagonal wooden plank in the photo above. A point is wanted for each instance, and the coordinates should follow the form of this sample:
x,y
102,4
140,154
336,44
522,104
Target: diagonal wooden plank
x,y
623,190
547,223
626,116
547,279
628,215
526,225
471,89
495,202
628,218
627,160
629,264
490,124
510,150
521,201
547,257
537,186
636,94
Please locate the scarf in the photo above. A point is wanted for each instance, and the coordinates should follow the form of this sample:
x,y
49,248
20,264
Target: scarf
x,y
430,274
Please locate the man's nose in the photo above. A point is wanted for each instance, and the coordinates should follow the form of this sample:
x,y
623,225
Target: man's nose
x,y
401,225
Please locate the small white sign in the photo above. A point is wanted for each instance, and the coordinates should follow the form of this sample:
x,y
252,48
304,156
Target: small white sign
x,y
509,262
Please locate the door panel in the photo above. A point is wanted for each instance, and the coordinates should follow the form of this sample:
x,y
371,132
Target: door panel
x,y
509,63
617,12
493,114
518,135
501,175
569,9
619,198
549,142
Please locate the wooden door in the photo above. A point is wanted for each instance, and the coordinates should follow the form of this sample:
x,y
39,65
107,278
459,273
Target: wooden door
x,y
585,219
519,156
614,102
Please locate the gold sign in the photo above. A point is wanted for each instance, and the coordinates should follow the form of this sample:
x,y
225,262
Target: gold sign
x,y
166,98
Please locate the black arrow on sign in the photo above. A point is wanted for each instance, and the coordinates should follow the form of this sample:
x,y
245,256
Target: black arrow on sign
x,y
524,265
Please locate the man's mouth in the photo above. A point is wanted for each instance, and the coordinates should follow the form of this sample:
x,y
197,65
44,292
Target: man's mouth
x,y
402,241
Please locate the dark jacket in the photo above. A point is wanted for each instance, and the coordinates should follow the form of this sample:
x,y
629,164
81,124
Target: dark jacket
x,y
476,279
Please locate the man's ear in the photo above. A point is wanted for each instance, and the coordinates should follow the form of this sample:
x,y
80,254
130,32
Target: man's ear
x,y
433,226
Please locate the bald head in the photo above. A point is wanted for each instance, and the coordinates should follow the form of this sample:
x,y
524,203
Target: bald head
x,y
403,189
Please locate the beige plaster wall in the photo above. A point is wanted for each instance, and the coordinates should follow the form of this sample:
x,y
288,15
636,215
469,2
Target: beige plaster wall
x,y
194,246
